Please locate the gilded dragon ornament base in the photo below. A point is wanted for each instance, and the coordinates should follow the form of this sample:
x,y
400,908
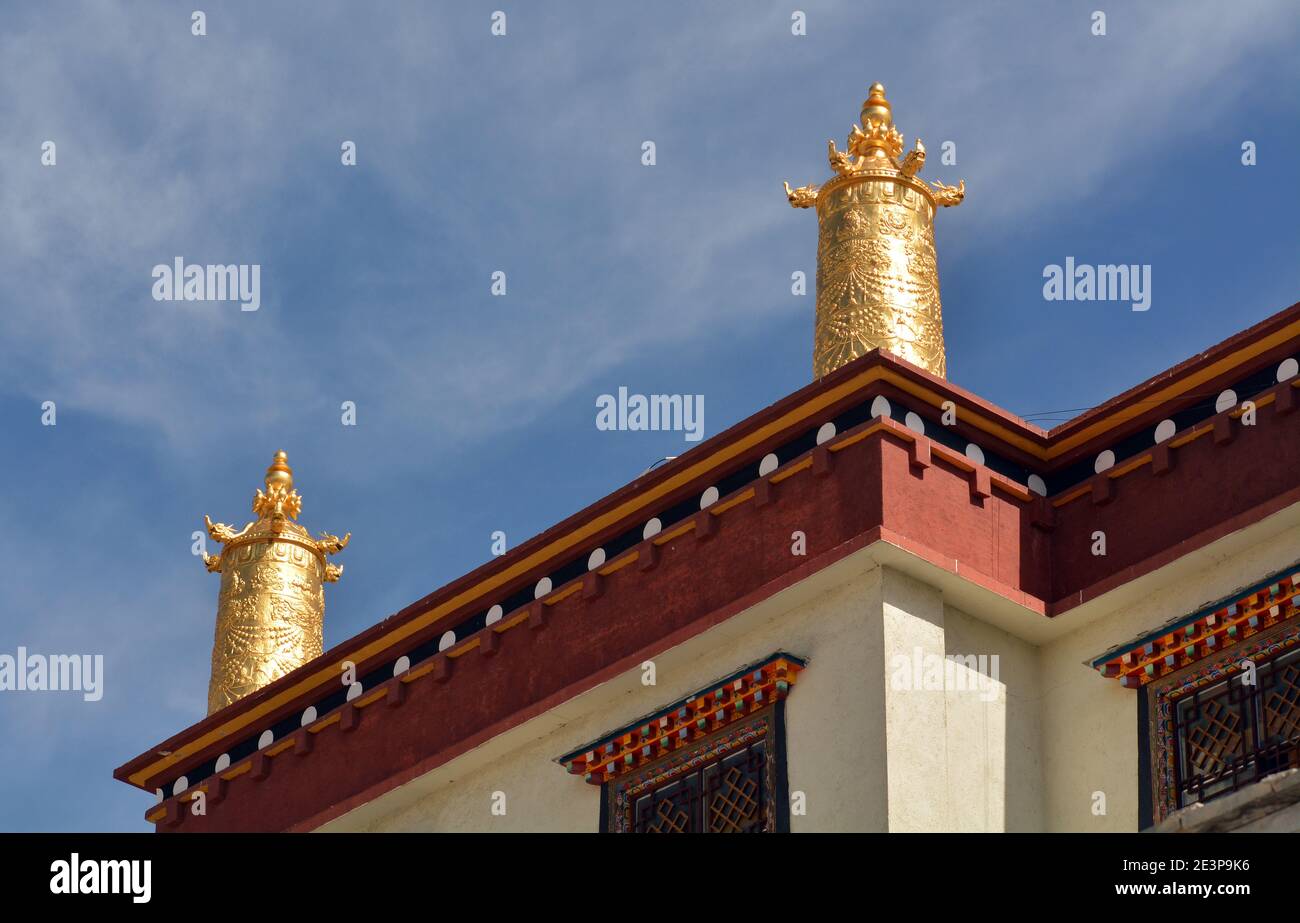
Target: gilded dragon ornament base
x,y
877,275
271,607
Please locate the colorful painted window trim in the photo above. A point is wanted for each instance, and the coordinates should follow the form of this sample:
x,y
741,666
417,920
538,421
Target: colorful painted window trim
x,y
1203,635
1210,733
713,762
716,707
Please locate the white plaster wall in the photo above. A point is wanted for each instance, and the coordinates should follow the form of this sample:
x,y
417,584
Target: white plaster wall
x,y
995,780
835,723
538,796
912,627
963,744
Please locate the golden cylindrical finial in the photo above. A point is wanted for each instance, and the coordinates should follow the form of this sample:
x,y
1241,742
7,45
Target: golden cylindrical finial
x,y
271,608
877,275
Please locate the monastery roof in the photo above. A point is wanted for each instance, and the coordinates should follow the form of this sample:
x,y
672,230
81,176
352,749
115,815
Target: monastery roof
x,y
861,456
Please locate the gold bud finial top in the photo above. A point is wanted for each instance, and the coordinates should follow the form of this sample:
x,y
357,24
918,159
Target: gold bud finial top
x,y
877,108
279,473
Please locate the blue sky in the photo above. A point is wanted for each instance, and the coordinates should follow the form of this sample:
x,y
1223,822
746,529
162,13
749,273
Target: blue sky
x,y
522,154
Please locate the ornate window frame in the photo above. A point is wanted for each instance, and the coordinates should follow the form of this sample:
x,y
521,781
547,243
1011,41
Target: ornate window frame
x,y
1206,648
719,808
1164,695
696,736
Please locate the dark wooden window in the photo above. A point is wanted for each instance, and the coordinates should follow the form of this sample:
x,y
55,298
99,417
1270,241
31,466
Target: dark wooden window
x,y
727,795
1230,733
729,782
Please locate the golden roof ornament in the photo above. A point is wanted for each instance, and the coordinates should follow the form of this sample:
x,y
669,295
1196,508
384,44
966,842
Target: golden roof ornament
x,y
271,608
877,276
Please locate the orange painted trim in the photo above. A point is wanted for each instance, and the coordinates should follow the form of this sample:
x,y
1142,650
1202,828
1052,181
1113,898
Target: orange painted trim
x,y
1149,661
705,713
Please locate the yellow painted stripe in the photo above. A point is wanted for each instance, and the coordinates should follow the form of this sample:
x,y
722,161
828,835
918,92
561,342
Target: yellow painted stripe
x,y
1177,388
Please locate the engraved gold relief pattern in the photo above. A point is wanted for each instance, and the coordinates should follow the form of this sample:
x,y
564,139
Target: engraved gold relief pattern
x,y
877,273
271,606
